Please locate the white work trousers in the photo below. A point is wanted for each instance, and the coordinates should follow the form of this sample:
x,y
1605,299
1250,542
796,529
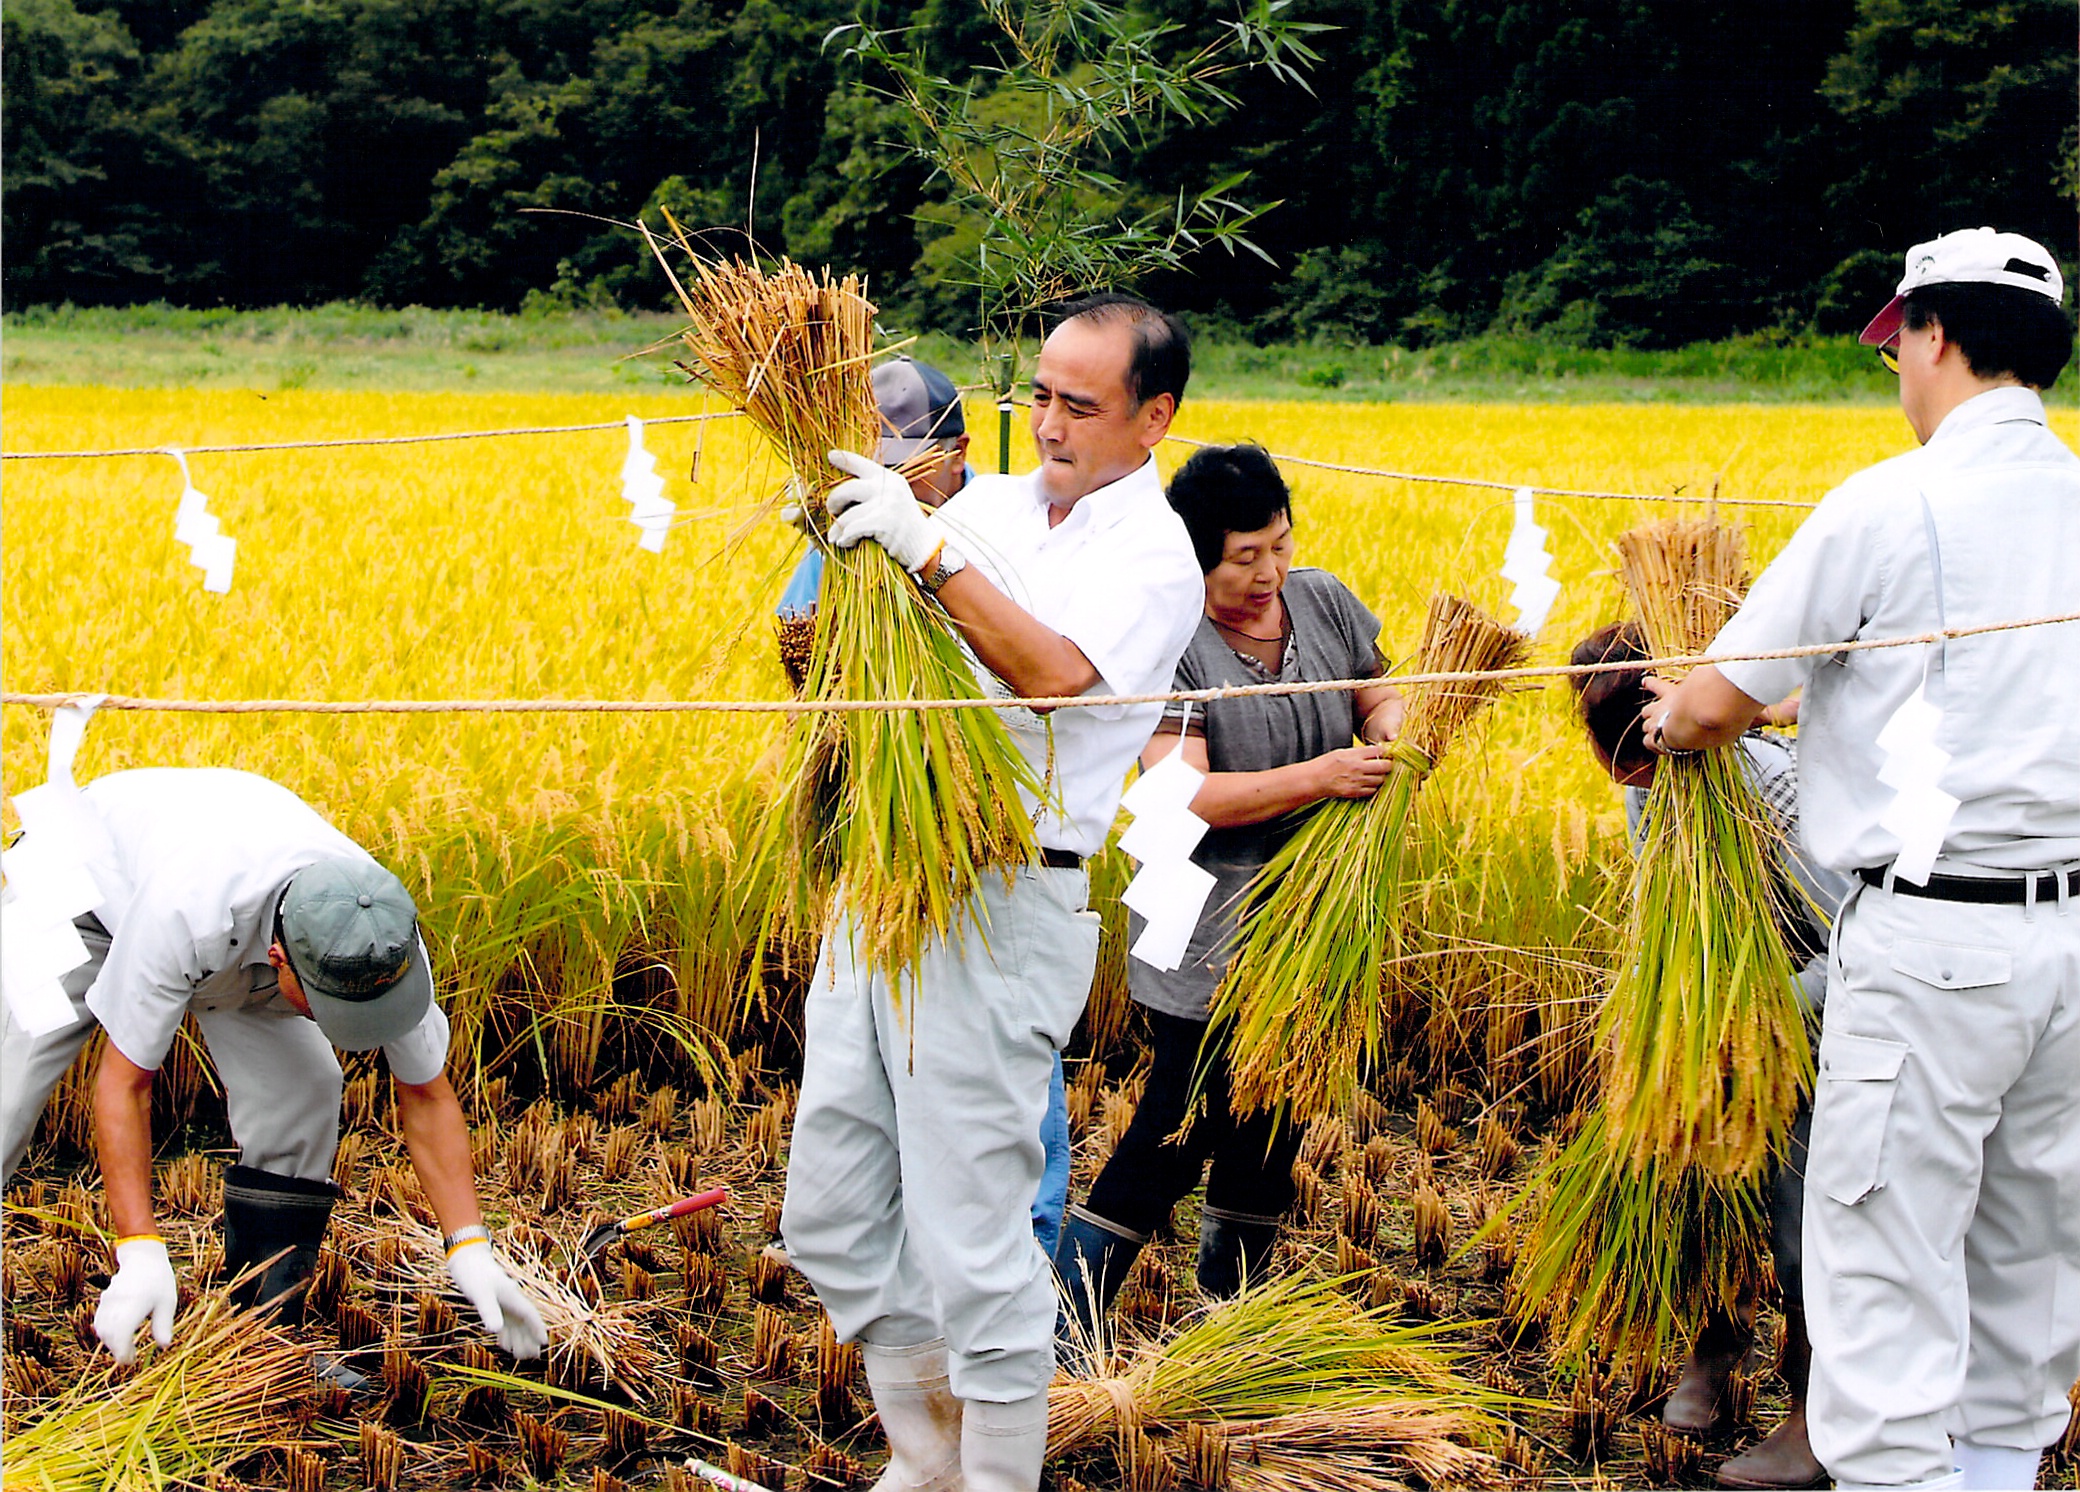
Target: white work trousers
x,y
1942,1220
916,1148
281,1080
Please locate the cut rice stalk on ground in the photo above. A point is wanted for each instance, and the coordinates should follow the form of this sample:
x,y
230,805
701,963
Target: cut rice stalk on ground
x,y
228,1388
1309,1002
1269,1371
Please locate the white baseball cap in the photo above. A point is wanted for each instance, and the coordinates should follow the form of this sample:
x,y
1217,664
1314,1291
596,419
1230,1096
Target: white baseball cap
x,y
1970,256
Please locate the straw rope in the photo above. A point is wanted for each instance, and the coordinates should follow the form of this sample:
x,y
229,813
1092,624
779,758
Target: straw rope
x,y
731,414
1493,485
51,701
363,440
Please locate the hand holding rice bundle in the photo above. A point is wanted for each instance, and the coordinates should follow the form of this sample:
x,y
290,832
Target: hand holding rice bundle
x,y
1309,997
907,809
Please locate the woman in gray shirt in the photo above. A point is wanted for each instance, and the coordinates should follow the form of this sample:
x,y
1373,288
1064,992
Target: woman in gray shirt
x,y
1270,759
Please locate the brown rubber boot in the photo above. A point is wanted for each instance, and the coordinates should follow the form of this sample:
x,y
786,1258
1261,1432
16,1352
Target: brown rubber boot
x,y
1785,1457
1700,1403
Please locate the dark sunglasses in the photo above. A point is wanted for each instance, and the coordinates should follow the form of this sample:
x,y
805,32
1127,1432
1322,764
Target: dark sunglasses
x,y
1889,354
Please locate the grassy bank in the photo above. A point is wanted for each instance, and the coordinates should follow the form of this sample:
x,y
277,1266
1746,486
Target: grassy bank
x,y
346,346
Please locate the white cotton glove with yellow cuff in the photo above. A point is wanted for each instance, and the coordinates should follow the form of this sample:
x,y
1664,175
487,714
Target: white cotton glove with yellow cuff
x,y
877,504
144,1286
500,1303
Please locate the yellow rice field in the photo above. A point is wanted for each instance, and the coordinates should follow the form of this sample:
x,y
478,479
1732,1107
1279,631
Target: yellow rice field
x,y
504,568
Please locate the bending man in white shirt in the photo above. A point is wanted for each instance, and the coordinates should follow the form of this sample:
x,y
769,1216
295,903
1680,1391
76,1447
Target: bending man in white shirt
x,y
226,895
914,1162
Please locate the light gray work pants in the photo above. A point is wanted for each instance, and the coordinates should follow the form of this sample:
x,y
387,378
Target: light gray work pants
x,y
281,1080
916,1148
1942,1220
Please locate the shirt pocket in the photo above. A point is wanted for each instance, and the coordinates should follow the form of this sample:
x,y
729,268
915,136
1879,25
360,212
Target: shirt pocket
x,y
1951,965
1859,1077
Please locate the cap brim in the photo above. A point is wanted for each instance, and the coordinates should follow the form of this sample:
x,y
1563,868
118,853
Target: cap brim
x,y
1885,325
364,1025
895,450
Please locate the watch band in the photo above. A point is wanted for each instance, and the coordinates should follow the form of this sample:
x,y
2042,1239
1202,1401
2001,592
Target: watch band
x,y
942,567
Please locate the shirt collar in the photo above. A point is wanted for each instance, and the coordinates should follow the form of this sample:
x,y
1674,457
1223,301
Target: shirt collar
x,y
1999,406
1115,500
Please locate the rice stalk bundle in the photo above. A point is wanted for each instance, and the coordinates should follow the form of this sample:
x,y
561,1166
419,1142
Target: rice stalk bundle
x,y
1653,1215
1703,1035
228,1387
1309,999
1275,1368
905,810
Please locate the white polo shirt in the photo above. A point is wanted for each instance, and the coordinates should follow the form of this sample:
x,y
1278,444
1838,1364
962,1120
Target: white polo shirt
x,y
192,865
1118,578
2003,496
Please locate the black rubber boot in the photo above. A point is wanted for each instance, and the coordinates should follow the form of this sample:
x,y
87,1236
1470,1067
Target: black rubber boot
x,y
1092,1259
1234,1249
278,1221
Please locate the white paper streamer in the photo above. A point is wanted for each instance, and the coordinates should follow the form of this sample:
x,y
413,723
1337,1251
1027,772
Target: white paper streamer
x,y
1525,561
48,885
1168,890
209,548
649,509
1920,811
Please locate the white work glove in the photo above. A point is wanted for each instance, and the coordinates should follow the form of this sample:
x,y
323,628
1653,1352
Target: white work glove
x,y
795,511
503,1306
144,1286
877,504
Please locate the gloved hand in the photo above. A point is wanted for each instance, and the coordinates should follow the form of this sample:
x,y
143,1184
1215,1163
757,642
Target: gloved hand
x,y
144,1286
877,504
506,1311
794,512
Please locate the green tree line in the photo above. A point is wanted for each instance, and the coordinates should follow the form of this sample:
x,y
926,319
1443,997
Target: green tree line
x,y
1604,171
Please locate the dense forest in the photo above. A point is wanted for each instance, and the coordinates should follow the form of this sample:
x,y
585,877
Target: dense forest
x,y
1604,171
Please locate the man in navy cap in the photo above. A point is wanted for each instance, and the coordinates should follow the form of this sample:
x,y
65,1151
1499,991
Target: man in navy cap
x,y
224,895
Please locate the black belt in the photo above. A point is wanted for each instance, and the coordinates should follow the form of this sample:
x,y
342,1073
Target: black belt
x,y
1060,859
1983,890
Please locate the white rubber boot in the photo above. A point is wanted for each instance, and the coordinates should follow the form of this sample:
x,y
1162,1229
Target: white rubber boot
x,y
1003,1445
919,1416
1995,1468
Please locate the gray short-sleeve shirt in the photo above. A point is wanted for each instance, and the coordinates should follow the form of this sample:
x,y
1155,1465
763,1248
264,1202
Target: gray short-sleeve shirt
x,y
1333,636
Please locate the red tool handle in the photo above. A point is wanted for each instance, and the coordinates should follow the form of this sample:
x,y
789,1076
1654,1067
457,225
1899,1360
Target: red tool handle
x,y
698,1202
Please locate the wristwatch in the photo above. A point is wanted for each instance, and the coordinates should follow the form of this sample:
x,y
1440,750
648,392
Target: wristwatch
x,y
940,568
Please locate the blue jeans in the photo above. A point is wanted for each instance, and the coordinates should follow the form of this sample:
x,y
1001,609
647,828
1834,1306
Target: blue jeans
x,y
1053,1196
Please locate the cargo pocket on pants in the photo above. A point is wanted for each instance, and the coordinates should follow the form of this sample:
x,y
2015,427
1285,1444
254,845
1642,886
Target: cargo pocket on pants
x,y
1858,1077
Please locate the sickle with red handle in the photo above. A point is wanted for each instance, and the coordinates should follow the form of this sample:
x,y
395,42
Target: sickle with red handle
x,y
606,1233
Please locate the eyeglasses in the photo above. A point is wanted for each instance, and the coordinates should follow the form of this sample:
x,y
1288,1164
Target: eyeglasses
x,y
1889,355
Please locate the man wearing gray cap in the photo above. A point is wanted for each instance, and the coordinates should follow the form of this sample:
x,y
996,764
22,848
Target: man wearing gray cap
x,y
225,895
1942,1209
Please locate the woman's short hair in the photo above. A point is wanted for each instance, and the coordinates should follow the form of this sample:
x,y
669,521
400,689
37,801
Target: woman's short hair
x,y
1225,490
1610,702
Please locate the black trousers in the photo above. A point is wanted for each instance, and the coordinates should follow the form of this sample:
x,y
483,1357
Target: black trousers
x,y
1151,1169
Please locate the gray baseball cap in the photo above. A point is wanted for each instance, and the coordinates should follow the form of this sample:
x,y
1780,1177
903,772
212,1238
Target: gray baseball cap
x,y
919,405
352,936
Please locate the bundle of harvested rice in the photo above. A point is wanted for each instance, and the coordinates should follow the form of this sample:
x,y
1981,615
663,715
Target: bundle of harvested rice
x,y
227,1389
1309,999
609,1337
1653,1214
905,809
1267,1375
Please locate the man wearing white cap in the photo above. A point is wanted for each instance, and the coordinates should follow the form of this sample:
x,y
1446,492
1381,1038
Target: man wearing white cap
x,y
1942,1218
225,895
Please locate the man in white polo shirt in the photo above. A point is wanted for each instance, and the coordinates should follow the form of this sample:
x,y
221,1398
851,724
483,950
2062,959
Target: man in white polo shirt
x,y
914,1160
226,895
1942,1216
